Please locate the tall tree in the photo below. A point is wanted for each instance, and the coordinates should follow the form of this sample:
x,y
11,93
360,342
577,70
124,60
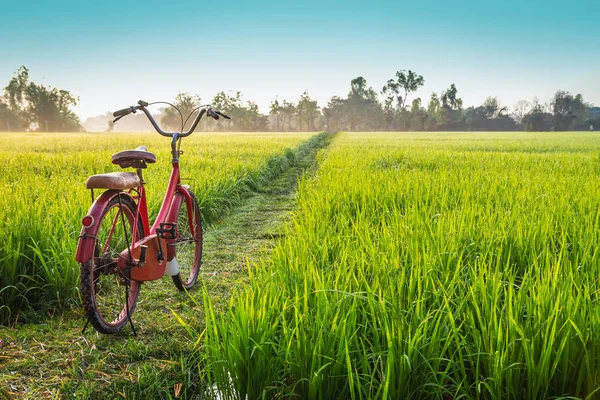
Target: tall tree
x,y
405,84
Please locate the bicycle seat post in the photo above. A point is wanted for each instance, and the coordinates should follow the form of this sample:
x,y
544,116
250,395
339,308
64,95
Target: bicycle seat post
x,y
139,173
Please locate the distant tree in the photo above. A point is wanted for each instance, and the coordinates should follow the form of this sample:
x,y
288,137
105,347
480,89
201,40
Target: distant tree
x,y
593,111
433,110
230,105
399,89
361,107
334,115
308,110
9,119
537,119
185,102
434,105
49,108
358,88
396,92
275,113
418,116
450,99
493,109
16,89
490,116
520,109
566,110
390,91
244,117
289,112
593,118
450,115
416,105
46,108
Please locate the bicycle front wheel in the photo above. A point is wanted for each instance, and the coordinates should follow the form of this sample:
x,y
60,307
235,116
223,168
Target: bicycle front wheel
x,y
188,243
109,295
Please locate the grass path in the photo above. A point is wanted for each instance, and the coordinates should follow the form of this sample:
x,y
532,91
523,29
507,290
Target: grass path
x,y
52,359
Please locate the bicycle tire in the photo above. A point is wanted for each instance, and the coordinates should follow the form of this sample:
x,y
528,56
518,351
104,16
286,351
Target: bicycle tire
x,y
188,244
107,311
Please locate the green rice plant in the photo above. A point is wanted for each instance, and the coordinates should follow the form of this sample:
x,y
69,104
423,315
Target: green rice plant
x,y
43,198
426,266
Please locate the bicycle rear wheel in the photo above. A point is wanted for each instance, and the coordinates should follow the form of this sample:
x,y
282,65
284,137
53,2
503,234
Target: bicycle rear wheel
x,y
104,287
188,243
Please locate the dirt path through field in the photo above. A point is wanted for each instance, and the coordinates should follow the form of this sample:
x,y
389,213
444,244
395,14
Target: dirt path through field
x,y
53,359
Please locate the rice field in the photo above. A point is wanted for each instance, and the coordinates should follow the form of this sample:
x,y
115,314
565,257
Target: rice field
x,y
43,197
426,266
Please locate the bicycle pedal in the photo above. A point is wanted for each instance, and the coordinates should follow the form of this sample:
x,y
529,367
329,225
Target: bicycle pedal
x,y
167,230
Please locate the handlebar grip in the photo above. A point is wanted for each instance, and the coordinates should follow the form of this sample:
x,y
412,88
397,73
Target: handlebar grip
x,y
123,112
212,113
223,115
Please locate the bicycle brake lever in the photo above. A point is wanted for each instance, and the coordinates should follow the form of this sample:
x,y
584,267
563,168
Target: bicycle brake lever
x,y
118,118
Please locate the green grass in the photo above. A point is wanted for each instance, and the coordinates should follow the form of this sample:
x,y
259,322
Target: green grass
x,y
426,266
43,198
52,359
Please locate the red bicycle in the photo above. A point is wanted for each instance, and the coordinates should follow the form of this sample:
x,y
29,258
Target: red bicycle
x,y
117,248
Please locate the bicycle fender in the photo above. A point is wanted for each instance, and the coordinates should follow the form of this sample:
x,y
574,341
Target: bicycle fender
x,y
87,237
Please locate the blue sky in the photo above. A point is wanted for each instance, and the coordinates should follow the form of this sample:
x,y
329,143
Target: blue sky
x,y
113,53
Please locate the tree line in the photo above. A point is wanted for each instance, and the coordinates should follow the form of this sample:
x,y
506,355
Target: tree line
x,y
362,110
26,105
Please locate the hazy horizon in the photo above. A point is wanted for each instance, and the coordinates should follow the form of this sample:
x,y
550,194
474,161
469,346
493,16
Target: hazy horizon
x,y
112,54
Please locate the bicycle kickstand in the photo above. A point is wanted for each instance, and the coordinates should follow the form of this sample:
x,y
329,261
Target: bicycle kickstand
x,y
87,321
127,303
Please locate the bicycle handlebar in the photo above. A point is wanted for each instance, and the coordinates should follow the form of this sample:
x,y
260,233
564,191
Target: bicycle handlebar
x,y
123,112
142,106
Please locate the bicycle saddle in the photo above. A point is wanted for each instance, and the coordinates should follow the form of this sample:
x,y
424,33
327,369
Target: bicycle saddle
x,y
134,158
114,180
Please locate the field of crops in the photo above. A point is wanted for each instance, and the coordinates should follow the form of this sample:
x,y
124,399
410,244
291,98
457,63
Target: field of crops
x,y
426,266
43,197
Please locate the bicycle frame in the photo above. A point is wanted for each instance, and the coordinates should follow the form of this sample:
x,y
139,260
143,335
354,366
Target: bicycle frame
x,y
157,244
